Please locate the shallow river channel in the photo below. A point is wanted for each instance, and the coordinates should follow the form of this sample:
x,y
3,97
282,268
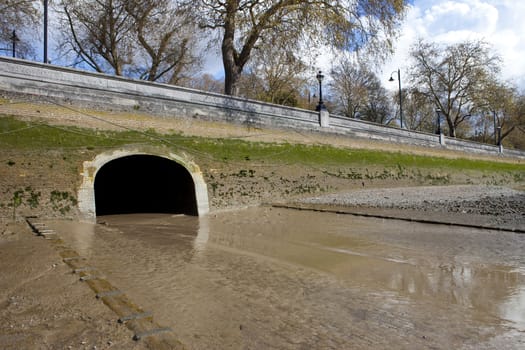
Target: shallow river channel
x,y
267,278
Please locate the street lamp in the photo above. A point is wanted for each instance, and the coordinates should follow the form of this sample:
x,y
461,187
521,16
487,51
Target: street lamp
x,y
400,97
45,31
320,105
438,112
496,141
14,38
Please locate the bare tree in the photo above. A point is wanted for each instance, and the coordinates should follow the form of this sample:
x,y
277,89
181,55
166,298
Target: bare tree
x,y
205,82
350,86
419,112
19,19
378,108
347,24
149,40
99,33
453,76
274,75
357,93
516,138
500,106
165,34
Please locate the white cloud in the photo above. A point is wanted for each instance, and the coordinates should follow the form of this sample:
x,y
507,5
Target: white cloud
x,y
467,17
499,22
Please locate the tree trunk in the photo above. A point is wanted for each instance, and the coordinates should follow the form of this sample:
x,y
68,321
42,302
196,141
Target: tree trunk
x,y
507,133
451,128
232,73
232,70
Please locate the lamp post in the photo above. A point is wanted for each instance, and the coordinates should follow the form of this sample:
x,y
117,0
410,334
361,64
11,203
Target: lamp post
x,y
45,31
495,128
320,105
438,122
400,97
14,38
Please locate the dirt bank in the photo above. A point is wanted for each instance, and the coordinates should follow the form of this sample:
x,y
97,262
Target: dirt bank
x,y
44,181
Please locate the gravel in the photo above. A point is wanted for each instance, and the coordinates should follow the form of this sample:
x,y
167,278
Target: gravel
x,y
494,204
415,196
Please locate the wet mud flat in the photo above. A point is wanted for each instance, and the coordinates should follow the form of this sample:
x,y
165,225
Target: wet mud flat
x,y
43,305
271,278
491,207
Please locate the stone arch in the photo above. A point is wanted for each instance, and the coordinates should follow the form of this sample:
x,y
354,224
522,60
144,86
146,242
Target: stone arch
x,y
139,180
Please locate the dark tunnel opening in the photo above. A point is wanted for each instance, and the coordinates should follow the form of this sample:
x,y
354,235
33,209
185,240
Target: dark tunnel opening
x,y
144,184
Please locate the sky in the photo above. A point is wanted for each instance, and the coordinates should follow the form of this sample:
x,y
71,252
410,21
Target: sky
x,y
501,23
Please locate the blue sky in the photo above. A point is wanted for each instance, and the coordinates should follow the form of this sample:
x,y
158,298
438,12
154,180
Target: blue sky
x,y
499,22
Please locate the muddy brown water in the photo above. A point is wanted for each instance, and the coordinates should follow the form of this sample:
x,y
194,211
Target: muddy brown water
x,y
266,278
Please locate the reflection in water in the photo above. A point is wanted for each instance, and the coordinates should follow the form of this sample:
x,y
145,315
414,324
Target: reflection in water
x,y
372,263
267,278
513,309
83,237
202,234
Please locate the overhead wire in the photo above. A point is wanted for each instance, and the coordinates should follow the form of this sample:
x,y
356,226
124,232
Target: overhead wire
x,y
164,140
17,130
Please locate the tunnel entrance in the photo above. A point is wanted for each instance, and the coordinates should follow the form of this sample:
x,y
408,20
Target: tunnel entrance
x,y
144,184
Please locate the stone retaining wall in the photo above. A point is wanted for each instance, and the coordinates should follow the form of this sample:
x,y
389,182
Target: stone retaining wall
x,y
88,89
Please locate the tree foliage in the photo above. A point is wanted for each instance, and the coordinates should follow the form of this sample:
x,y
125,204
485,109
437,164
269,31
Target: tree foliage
x,y
453,77
347,24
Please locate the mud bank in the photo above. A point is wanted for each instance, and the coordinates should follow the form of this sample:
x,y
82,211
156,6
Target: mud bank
x,y
44,306
492,207
44,146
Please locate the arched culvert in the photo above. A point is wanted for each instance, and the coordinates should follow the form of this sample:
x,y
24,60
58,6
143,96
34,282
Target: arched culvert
x,y
144,184
122,182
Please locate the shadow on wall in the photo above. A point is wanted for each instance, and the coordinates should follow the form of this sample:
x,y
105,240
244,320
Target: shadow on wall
x,y
144,184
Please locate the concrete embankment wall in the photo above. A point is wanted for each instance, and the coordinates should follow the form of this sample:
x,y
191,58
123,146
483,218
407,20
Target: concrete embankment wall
x,y
95,90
